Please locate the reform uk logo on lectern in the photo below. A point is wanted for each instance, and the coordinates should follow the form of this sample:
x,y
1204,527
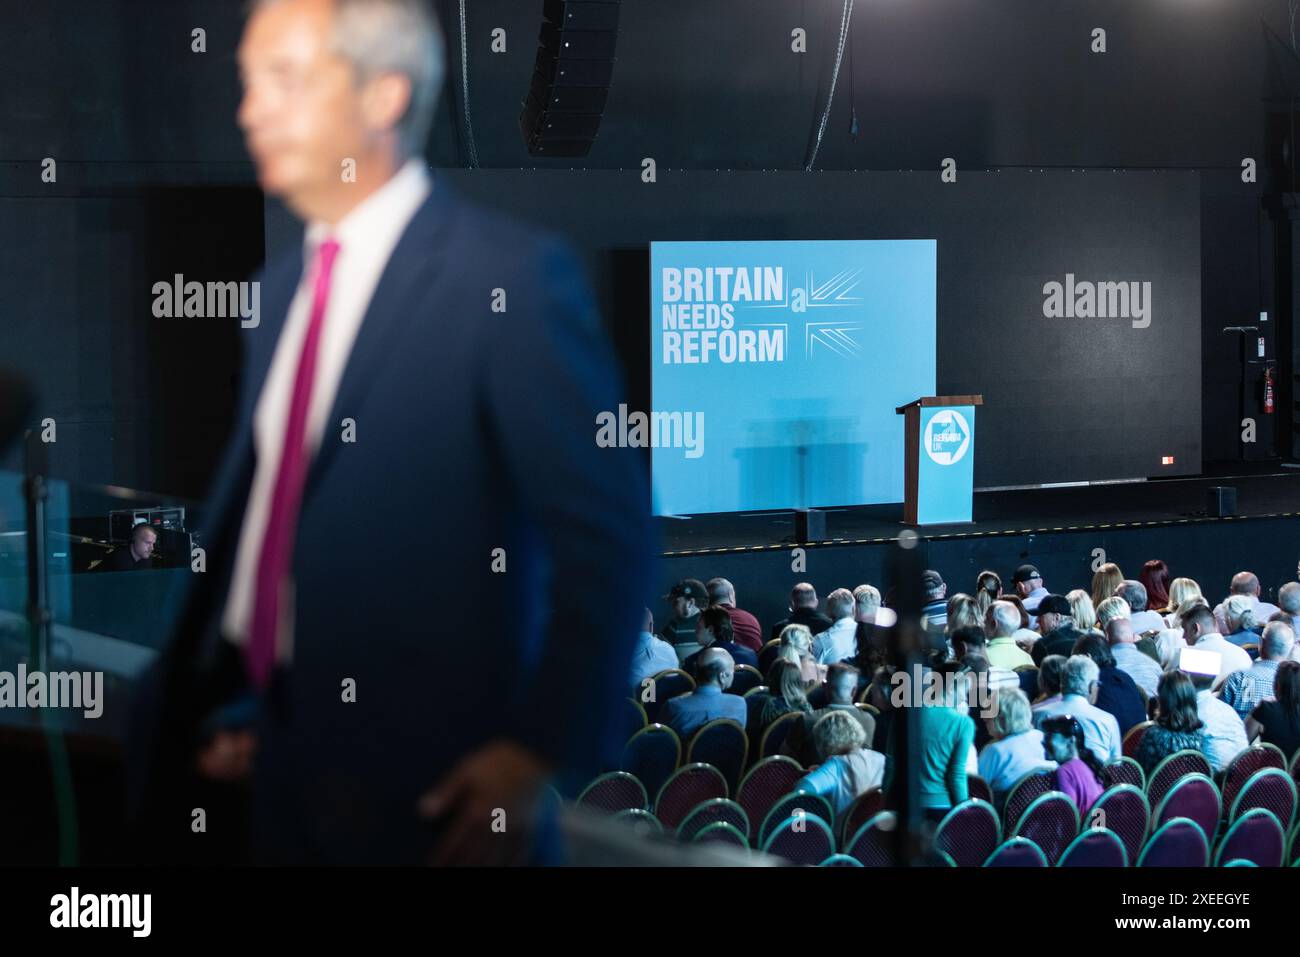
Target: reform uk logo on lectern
x,y
947,437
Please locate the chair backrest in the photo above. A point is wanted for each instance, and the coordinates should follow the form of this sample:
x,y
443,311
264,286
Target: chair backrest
x,y
613,792
774,734
1133,738
870,709
767,782
1167,772
1176,843
745,678
1243,767
752,692
798,804
1017,852
710,812
688,786
635,716
1193,796
666,684
1051,822
1095,847
1028,678
1292,858
1270,788
723,744
1251,648
1125,770
977,787
652,754
720,832
767,655
1023,793
1123,810
806,840
873,843
969,833
1255,836
642,822
864,807
840,860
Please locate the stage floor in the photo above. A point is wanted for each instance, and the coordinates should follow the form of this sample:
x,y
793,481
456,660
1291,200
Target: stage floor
x,y
1263,490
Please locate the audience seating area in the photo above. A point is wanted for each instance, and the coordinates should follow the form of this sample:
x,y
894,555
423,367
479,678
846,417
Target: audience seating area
x,y
705,790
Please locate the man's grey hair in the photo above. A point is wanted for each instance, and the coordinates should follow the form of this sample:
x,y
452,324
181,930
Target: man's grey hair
x,y
393,36
1133,592
1006,618
1113,607
1288,598
839,604
867,599
720,590
1278,640
1079,673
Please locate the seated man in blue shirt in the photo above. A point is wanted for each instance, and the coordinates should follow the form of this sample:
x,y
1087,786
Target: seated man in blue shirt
x,y
687,713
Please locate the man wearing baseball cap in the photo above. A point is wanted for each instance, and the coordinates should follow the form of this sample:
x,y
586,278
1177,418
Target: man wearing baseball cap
x,y
1056,625
687,599
1029,586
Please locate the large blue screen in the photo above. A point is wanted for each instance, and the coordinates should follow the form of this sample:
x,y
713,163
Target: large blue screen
x,y
776,368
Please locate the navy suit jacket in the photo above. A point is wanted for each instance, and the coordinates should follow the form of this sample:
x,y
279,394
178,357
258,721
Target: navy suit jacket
x,y
474,431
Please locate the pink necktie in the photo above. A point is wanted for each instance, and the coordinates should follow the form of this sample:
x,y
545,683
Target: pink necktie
x,y
277,544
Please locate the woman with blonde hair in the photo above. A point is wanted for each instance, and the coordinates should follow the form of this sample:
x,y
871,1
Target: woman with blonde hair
x,y
796,647
963,611
1107,578
1110,609
1180,590
1082,610
987,588
786,692
849,767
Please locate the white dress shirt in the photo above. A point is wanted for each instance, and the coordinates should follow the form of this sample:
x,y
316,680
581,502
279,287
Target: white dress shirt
x,y
1232,657
367,236
837,642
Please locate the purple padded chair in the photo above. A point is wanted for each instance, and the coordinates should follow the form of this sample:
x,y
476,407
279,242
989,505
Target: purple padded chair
x,y
1123,809
1051,822
713,811
873,844
688,787
1271,788
807,841
1246,765
1125,771
1023,793
1017,852
1096,847
864,807
799,803
723,744
969,833
1195,797
977,787
1178,843
766,783
1168,772
614,792
652,754
1255,837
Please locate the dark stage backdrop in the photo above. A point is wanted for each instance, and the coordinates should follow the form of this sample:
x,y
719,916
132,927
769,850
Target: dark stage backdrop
x,y
1066,399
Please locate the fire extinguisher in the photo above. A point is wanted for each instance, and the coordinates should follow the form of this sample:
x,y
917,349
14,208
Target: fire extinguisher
x,y
1268,390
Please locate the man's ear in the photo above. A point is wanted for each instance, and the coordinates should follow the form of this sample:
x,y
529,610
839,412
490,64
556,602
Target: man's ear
x,y
385,100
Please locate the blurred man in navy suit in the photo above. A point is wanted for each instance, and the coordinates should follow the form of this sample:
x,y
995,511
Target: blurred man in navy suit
x,y
417,418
